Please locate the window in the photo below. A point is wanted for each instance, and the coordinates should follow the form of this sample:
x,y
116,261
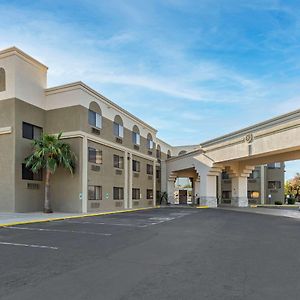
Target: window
x,y
169,154
95,156
27,174
225,175
157,173
158,152
118,193
95,192
118,127
136,138
95,119
149,194
118,162
149,169
2,80
31,132
274,185
255,174
226,195
253,195
136,194
150,144
136,166
276,165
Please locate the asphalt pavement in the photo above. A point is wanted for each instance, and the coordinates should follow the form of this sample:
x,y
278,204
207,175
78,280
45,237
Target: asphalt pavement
x,y
166,253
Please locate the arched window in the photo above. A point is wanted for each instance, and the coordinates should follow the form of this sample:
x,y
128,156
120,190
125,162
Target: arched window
x,y
2,80
136,138
150,143
169,155
158,152
182,152
118,127
95,115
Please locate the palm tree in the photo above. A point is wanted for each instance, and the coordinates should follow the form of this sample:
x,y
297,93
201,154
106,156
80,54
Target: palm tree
x,y
49,153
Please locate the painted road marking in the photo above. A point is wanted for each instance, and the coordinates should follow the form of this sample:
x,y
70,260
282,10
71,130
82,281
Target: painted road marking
x,y
28,245
58,230
103,223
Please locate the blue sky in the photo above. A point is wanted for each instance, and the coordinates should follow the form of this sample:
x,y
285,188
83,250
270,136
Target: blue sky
x,y
192,69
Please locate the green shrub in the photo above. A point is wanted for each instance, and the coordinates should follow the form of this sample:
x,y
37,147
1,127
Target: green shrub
x,y
278,202
291,200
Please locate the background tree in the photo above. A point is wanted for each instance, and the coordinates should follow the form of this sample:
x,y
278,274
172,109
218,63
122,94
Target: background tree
x,y
49,153
292,187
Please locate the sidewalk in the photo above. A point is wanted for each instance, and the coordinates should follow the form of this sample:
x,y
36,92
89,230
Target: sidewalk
x,y
10,219
289,213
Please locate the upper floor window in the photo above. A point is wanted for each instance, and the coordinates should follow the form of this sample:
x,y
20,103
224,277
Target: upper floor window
x,y
136,138
2,80
276,165
274,185
95,156
255,174
169,154
158,152
136,166
118,127
149,169
95,117
30,131
150,143
118,161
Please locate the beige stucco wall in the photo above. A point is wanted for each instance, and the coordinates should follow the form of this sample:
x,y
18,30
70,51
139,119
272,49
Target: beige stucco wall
x,y
7,149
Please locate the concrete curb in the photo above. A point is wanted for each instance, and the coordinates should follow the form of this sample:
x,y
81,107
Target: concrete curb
x,y
76,216
274,206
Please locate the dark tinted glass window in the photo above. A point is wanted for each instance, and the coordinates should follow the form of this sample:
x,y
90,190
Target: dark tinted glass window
x,y
31,132
27,174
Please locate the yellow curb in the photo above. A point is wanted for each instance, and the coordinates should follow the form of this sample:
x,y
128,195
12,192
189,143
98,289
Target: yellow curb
x,y
202,206
253,206
273,205
76,217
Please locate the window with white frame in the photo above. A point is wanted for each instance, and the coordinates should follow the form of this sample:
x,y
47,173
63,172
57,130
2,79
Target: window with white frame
x,y
95,119
94,192
118,161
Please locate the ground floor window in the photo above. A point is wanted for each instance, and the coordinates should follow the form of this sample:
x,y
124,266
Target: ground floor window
x,y
149,194
27,174
95,192
136,194
118,193
253,194
226,195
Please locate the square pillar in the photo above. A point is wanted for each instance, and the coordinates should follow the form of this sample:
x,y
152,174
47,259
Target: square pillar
x,y
208,190
171,189
239,191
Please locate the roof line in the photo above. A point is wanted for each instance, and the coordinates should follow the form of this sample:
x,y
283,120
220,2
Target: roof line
x,y
251,128
98,95
16,51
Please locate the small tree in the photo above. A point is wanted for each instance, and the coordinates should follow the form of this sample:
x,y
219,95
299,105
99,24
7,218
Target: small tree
x,y
292,187
49,152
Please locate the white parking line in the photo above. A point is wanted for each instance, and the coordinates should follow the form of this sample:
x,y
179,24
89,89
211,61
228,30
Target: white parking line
x,y
27,245
103,223
58,230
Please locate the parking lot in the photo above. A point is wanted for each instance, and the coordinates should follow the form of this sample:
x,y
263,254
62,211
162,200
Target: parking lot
x,y
167,253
